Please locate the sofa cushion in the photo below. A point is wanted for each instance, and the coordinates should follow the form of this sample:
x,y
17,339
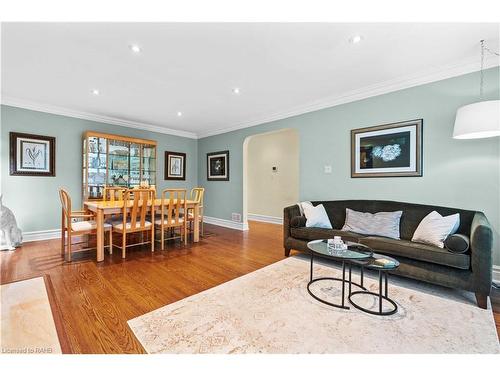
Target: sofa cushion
x,y
310,234
417,251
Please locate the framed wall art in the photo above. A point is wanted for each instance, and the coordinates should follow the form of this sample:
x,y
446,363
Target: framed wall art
x,y
218,166
32,155
392,150
175,165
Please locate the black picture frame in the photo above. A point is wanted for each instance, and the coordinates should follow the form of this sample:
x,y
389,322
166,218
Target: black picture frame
x,y
218,166
171,159
400,157
37,146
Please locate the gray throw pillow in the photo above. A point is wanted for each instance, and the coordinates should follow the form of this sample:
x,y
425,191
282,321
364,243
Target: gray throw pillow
x,y
457,243
384,224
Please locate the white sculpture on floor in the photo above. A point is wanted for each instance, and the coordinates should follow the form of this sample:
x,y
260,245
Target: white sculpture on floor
x,y
10,235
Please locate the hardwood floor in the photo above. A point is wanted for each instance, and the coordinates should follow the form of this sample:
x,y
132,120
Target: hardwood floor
x,y
95,301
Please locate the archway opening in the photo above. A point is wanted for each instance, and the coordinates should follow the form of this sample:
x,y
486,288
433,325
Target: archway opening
x,y
270,175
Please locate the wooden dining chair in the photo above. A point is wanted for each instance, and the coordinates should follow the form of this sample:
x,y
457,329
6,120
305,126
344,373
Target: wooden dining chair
x,y
70,227
137,204
197,196
173,203
113,193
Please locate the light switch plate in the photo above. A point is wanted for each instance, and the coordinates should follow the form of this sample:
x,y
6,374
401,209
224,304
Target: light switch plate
x,y
328,169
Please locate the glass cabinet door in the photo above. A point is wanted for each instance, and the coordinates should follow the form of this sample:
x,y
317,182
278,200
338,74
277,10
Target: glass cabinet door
x,y
148,170
115,161
96,166
118,163
135,165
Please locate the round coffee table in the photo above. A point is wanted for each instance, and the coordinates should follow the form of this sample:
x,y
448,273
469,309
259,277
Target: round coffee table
x,y
354,251
383,264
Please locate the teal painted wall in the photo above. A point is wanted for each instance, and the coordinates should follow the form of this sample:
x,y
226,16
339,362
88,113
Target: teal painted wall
x,y
35,200
460,173
457,173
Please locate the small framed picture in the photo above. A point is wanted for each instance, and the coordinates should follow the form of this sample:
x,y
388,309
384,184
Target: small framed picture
x,y
218,166
175,165
392,150
32,155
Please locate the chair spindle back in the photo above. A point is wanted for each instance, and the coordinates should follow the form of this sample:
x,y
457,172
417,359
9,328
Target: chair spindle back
x,y
197,195
113,193
173,201
66,205
142,201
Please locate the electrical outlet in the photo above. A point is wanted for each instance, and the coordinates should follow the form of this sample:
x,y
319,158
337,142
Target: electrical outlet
x,y
236,217
328,169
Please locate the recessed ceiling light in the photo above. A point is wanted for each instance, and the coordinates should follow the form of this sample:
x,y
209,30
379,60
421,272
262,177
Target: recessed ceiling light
x,y
95,92
356,39
135,48
236,90
179,114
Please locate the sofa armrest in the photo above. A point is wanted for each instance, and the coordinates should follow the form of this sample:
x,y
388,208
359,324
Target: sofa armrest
x,y
288,214
481,243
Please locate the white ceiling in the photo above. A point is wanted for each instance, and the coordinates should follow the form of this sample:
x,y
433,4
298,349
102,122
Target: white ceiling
x,y
281,68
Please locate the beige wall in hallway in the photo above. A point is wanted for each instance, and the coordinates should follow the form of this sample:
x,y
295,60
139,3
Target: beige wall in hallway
x,y
269,192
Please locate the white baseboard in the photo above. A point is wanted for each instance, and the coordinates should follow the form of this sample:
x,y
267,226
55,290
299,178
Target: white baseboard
x,y
266,219
41,235
496,274
50,234
225,223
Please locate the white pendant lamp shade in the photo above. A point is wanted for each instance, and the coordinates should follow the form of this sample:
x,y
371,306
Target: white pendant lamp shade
x,y
478,120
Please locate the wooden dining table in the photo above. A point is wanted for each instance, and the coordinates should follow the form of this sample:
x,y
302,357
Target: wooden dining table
x,y
105,208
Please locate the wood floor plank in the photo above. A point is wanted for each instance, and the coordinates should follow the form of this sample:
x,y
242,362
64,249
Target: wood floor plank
x,y
95,300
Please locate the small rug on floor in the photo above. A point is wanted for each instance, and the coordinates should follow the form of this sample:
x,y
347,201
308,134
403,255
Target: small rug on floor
x,y
270,311
27,323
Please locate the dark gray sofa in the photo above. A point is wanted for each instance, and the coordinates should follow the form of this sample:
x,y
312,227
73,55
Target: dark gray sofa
x,y
471,271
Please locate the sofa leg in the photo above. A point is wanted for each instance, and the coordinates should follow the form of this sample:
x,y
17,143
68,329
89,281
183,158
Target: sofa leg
x,y
482,300
287,252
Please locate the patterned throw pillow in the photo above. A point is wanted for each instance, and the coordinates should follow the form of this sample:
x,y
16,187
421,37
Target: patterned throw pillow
x,y
434,228
385,224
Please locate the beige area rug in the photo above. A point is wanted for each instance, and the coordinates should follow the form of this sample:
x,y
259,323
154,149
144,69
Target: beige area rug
x,y
27,322
270,311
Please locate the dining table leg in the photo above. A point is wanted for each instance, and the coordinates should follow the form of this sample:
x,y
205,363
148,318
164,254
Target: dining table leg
x,y
196,219
100,234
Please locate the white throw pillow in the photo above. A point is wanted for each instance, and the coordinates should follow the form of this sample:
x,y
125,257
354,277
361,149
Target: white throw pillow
x,y
385,224
434,228
316,216
301,206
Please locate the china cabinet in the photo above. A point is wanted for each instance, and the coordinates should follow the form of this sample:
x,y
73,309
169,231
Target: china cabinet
x,y
113,160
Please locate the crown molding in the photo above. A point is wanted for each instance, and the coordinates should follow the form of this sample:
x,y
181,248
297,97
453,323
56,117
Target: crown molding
x,y
40,107
428,76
